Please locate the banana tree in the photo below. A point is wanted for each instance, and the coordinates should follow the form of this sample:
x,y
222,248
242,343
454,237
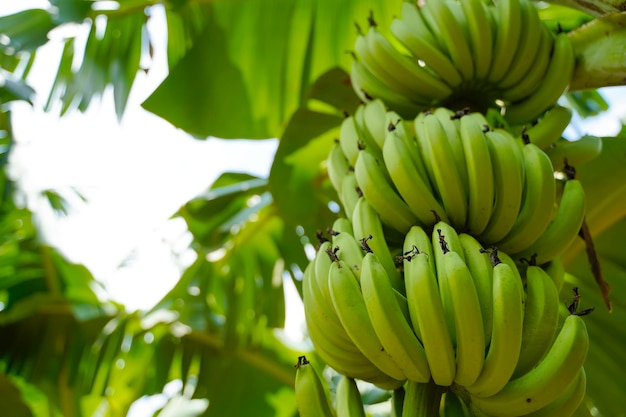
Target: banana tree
x,y
257,70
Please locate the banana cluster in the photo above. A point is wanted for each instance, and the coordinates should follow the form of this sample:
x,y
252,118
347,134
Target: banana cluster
x,y
465,52
443,309
453,166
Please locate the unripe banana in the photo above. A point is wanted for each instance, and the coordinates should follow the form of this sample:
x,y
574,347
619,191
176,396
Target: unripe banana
x,y
392,329
541,316
427,311
477,261
555,83
349,139
546,381
441,165
468,323
539,195
422,45
452,127
508,19
444,239
506,336
414,189
341,225
441,20
348,398
311,395
576,152
508,177
533,78
368,229
367,86
350,193
352,312
381,195
550,128
337,167
480,36
479,174
374,117
564,229
527,48
347,249
567,403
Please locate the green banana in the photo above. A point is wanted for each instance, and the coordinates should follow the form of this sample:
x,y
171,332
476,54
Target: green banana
x,y
480,36
348,398
349,139
506,336
375,121
392,329
479,174
348,249
508,17
539,196
576,152
312,395
337,167
369,230
413,39
567,403
470,338
368,87
426,309
441,20
321,265
440,162
529,45
332,342
444,239
381,195
411,79
414,189
555,82
480,267
352,311
541,316
564,229
547,380
341,224
350,193
508,178
549,129
531,81
451,126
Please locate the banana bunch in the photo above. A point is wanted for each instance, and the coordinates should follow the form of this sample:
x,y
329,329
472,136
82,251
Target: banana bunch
x,y
457,315
479,54
453,166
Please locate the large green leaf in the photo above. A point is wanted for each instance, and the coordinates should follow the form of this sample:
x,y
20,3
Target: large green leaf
x,y
298,179
251,67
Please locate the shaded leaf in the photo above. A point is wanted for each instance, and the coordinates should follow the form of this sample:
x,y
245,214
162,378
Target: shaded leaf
x,y
252,65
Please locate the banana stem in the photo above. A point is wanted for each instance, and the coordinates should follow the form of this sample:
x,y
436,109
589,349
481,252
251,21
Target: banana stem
x,y
422,400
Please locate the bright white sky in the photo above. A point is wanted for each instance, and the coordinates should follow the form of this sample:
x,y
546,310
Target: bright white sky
x,y
135,175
